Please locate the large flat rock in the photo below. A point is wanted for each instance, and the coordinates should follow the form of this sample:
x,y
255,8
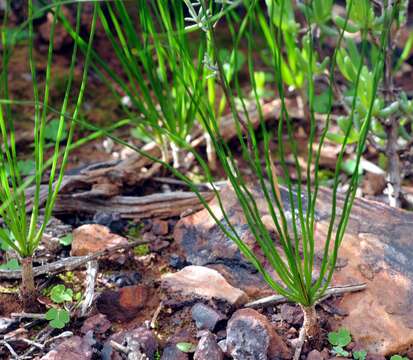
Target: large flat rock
x,y
194,283
376,250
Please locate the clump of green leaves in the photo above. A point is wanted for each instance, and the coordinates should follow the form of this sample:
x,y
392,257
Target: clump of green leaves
x,y
58,318
294,271
398,357
391,110
360,355
153,44
60,294
292,258
141,250
68,277
134,230
340,339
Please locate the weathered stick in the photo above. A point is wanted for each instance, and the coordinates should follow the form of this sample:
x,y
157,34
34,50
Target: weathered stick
x,y
69,263
132,207
91,275
278,299
24,315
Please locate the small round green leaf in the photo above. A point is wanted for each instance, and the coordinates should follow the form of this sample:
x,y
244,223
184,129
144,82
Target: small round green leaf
x,y
60,294
66,240
186,347
340,338
360,355
338,350
58,318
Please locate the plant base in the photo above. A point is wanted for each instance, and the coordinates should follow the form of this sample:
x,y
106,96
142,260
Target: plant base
x,y
27,288
309,331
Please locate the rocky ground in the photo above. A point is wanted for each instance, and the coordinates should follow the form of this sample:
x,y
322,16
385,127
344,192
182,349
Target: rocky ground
x,y
185,295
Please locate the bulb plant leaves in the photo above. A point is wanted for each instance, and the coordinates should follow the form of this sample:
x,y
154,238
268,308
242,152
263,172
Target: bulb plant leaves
x,y
169,92
294,62
21,231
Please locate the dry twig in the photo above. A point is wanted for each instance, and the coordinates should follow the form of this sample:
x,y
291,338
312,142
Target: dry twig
x,y
278,299
91,275
70,263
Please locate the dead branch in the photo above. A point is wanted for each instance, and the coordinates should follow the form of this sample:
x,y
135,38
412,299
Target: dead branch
x,y
91,275
130,207
70,263
279,299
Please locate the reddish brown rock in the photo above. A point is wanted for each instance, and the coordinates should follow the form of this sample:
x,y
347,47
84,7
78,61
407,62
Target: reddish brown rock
x,y
375,357
160,227
317,355
194,283
250,336
123,304
208,349
98,323
291,314
140,341
376,250
202,242
92,238
74,348
61,36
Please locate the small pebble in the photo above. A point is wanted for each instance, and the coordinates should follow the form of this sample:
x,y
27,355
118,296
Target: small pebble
x,y
126,279
160,227
177,262
112,220
206,318
6,324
